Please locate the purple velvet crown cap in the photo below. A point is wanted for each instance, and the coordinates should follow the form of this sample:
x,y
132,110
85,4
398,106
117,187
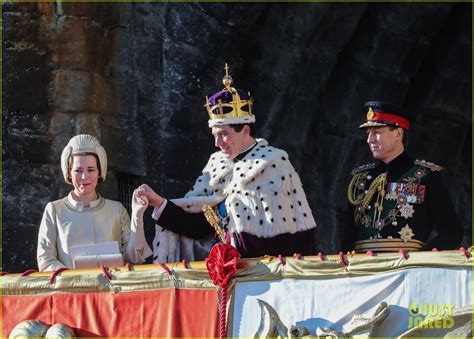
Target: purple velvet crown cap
x,y
226,96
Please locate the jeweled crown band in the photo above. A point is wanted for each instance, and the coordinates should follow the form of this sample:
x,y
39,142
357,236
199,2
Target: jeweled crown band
x,y
234,108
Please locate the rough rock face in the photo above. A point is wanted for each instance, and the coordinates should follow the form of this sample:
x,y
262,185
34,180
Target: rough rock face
x,y
136,74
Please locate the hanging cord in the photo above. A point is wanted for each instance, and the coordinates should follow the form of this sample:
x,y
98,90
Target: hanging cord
x,y
55,273
164,267
106,272
223,327
464,252
377,185
342,259
365,200
321,256
404,254
378,205
221,264
351,195
28,272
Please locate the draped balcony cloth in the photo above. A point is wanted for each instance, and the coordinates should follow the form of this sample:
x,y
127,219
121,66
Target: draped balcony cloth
x,y
132,304
327,294
307,292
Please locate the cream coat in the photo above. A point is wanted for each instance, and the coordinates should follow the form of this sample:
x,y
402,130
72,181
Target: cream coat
x,y
66,223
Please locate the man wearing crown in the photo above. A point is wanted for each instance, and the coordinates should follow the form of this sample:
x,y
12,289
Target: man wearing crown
x,y
252,187
396,201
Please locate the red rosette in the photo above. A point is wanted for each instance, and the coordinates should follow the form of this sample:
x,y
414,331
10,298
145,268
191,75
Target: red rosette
x,y
221,263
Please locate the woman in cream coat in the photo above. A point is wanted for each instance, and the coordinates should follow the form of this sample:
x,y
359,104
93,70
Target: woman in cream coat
x,y
84,217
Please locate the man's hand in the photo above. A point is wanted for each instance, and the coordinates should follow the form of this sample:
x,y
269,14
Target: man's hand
x,y
146,196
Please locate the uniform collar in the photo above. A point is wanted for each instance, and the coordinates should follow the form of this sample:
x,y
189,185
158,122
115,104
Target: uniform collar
x,y
402,159
398,166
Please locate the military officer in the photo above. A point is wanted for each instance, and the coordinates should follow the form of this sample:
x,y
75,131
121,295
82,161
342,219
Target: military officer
x,y
397,201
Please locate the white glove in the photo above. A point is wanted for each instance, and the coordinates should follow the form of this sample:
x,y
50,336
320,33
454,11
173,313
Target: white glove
x,y
139,204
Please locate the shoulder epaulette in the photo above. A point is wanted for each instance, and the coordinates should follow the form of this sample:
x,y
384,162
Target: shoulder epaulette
x,y
433,167
363,168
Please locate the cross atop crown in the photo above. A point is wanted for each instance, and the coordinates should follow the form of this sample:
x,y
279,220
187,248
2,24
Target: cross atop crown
x,y
227,80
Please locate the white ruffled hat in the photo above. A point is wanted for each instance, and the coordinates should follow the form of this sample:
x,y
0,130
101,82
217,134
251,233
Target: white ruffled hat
x,y
83,143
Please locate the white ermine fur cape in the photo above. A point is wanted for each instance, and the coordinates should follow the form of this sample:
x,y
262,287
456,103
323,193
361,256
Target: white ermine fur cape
x,y
263,196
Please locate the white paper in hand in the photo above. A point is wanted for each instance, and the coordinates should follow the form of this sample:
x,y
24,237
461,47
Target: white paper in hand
x,y
89,255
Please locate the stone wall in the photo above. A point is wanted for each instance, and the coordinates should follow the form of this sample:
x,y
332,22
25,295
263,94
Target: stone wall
x,y
58,81
136,75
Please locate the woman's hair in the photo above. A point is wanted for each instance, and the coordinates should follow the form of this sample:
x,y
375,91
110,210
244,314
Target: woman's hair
x,y
69,164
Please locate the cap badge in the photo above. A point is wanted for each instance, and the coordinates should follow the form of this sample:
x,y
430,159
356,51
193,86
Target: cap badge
x,y
370,114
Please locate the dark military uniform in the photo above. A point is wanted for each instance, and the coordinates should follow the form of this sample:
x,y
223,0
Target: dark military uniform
x,y
397,205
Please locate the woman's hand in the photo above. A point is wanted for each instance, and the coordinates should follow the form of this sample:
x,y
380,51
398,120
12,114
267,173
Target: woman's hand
x,y
139,204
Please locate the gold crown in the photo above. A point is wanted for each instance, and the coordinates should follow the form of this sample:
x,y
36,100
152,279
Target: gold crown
x,y
230,112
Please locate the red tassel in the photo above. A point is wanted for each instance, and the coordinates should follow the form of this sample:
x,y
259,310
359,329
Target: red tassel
x,y
55,273
343,259
434,249
281,259
163,266
185,263
321,256
464,252
105,272
372,254
28,272
297,256
129,267
404,254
